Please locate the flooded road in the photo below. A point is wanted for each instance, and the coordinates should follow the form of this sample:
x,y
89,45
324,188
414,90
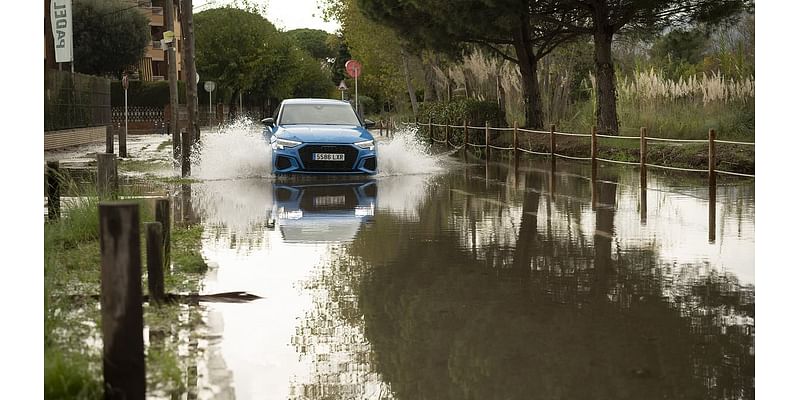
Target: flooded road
x,y
478,281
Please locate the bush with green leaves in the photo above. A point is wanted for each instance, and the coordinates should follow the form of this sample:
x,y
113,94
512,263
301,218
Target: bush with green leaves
x,y
475,112
146,93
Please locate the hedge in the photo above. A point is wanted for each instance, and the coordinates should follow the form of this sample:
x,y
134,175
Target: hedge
x,y
145,93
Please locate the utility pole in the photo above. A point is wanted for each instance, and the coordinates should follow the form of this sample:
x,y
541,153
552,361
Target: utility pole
x,y
173,82
190,72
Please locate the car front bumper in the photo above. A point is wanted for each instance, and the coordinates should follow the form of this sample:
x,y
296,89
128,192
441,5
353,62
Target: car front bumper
x,y
299,159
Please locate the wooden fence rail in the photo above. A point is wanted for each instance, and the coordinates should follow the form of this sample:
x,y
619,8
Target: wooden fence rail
x,y
593,156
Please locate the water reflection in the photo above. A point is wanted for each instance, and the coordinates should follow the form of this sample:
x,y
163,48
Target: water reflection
x,y
528,280
317,213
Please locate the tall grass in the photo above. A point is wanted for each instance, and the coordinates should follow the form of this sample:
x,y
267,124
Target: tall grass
x,y
683,108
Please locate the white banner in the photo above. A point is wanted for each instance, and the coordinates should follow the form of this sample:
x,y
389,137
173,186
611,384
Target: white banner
x,y
61,19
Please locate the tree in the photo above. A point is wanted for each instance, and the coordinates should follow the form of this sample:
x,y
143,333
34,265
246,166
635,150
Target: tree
x,y
235,47
315,41
602,19
500,26
109,36
377,48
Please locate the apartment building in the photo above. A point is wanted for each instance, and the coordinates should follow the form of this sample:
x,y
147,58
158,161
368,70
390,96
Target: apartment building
x,y
153,66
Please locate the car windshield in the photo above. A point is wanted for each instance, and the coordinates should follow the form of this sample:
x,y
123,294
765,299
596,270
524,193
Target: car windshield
x,y
318,114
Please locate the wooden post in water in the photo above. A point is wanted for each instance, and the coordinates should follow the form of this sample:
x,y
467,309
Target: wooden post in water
x,y
552,178
516,144
53,191
643,175
594,167
712,186
121,301
155,262
430,131
466,138
186,153
107,183
109,139
486,139
163,216
552,140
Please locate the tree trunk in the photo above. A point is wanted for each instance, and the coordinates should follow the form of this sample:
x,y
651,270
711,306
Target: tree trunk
x,y
527,68
430,79
606,94
172,65
189,76
412,95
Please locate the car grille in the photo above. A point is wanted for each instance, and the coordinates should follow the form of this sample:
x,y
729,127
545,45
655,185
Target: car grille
x,y
307,155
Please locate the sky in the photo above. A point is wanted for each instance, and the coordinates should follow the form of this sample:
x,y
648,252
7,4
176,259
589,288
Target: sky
x,y
285,14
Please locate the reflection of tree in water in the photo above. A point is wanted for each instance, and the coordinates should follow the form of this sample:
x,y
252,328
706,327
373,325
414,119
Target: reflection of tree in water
x,y
452,311
331,338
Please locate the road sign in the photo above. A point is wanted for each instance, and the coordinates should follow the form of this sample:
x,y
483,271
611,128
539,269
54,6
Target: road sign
x,y
353,68
209,86
169,36
125,81
198,78
342,86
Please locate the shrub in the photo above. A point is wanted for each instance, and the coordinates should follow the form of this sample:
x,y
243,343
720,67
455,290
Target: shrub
x,y
146,93
475,112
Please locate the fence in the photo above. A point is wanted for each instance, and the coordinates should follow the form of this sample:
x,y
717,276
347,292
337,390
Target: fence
x,y
434,136
75,100
141,119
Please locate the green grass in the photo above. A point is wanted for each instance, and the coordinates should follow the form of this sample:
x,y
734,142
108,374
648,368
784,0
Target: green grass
x,y
73,365
131,165
165,144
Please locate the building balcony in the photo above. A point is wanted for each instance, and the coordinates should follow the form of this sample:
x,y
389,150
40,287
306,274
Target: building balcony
x,y
155,15
155,51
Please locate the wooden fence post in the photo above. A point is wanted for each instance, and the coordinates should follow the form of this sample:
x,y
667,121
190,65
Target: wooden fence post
x,y
486,139
107,179
643,175
186,153
109,139
552,140
712,186
53,191
466,138
430,131
121,301
163,216
155,262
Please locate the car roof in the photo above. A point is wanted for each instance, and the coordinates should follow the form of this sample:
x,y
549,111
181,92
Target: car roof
x,y
314,101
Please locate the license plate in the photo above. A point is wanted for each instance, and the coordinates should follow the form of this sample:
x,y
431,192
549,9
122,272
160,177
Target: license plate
x,y
328,157
327,201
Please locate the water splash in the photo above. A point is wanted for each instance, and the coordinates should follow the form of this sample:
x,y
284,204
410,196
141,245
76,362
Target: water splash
x,y
405,154
237,150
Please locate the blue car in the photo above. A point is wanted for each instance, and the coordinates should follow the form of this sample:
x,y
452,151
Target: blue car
x,y
320,213
320,136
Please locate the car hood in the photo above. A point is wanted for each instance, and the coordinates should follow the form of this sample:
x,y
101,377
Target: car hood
x,y
324,133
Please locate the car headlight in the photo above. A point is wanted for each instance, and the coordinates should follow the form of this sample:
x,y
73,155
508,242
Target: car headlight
x,y
367,144
283,143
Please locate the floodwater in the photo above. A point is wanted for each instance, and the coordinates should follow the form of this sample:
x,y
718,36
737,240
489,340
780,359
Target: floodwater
x,y
446,279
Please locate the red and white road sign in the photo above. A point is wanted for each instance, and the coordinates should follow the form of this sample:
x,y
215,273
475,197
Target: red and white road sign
x,y
353,68
125,81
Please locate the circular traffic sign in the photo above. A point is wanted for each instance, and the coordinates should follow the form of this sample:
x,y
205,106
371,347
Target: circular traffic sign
x,y
353,68
209,86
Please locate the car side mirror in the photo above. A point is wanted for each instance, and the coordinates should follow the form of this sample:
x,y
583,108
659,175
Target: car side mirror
x,y
368,123
268,122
